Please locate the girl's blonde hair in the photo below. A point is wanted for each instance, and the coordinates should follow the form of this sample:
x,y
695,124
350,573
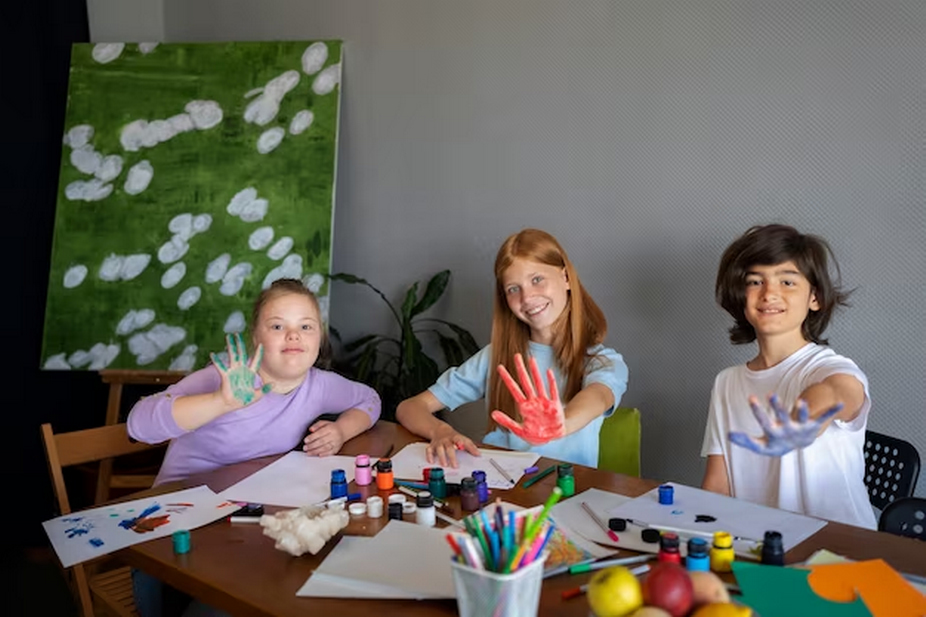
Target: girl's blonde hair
x,y
282,287
580,326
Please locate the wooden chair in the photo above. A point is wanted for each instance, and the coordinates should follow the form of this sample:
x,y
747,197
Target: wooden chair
x,y
95,589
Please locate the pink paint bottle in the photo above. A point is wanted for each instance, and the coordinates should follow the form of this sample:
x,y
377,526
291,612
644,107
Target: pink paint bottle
x,y
362,474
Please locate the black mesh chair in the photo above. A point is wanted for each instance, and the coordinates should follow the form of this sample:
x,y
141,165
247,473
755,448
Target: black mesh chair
x,y
892,467
905,517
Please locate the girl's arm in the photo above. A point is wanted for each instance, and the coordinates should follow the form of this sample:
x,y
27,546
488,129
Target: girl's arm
x,y
417,415
588,404
715,475
152,418
358,407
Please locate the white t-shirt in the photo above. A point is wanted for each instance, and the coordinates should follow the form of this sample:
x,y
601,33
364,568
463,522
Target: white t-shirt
x,y
825,479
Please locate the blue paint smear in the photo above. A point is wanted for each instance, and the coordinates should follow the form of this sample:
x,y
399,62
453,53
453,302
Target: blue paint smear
x,y
130,522
76,531
96,542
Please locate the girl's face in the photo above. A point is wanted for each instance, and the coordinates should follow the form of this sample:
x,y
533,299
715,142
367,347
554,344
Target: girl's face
x,y
289,328
537,295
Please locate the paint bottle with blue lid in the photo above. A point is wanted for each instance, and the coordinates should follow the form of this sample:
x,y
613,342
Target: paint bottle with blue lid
x,y
482,488
338,483
698,559
666,494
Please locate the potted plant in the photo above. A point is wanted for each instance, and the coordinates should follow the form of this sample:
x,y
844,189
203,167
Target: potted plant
x,y
396,365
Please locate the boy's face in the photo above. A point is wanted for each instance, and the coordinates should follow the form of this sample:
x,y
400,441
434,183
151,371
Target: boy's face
x,y
778,299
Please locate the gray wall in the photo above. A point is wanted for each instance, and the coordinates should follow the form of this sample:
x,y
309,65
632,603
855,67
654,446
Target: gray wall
x,y
646,135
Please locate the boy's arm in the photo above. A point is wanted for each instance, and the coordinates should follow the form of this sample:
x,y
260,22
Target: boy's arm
x,y
841,388
715,475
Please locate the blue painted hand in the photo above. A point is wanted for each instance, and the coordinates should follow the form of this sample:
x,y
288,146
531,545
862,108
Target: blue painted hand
x,y
238,376
784,434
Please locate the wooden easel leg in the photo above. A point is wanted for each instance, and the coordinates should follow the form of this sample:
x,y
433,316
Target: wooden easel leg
x,y
106,466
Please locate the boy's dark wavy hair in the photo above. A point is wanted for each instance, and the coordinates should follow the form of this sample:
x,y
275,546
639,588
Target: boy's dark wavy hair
x,y
769,245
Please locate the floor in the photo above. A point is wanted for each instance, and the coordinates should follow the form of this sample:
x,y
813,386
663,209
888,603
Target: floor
x,y
39,585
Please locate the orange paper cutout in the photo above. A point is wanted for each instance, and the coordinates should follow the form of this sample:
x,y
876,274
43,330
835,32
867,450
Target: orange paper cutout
x,y
885,592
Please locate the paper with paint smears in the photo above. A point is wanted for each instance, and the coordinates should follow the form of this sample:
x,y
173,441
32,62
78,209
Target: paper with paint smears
x,y
88,534
883,589
409,464
775,591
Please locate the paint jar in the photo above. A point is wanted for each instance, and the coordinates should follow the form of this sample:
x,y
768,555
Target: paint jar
x,y
396,498
437,485
425,514
722,555
469,496
181,540
697,559
363,475
666,494
565,480
395,511
338,484
384,478
482,489
668,548
773,550
426,473
374,506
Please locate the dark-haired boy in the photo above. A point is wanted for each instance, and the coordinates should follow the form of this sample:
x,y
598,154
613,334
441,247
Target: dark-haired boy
x,y
776,284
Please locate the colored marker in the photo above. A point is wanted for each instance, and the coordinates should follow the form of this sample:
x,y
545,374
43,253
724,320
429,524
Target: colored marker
x,y
418,485
580,568
447,519
533,469
600,522
572,593
540,476
563,569
243,519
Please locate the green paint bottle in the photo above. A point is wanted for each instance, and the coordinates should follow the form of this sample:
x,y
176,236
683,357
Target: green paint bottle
x,y
565,480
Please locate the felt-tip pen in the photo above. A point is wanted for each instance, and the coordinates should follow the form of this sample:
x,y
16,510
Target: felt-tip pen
x,y
597,565
243,519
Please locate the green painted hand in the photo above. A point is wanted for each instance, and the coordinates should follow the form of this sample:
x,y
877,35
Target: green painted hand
x,y
238,377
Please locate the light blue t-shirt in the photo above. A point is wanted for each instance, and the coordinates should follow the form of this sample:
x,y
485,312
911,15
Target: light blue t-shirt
x,y
470,381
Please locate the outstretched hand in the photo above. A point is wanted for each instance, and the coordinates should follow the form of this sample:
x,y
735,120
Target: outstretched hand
x,y
542,417
238,377
784,434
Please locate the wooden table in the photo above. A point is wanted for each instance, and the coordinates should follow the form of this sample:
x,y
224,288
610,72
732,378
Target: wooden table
x,y
237,569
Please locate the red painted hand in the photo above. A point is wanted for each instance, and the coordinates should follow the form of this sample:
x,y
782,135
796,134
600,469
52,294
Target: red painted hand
x,y
542,417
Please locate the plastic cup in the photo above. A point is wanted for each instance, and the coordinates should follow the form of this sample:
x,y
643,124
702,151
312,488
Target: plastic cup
x,y
482,593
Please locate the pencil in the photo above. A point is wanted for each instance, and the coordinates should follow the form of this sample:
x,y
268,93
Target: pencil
x,y
389,451
501,471
599,522
540,476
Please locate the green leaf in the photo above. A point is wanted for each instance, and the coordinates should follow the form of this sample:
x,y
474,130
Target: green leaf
x,y
366,363
433,292
466,339
410,297
348,278
452,350
422,374
360,342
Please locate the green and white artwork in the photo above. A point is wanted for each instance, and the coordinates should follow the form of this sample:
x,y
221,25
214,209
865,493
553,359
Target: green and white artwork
x,y
192,176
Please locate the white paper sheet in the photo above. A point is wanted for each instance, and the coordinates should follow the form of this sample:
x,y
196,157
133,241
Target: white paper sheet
x,y
402,556
409,464
738,517
87,534
351,550
294,480
569,513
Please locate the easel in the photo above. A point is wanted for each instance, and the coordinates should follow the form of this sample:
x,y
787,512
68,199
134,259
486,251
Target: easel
x,y
116,378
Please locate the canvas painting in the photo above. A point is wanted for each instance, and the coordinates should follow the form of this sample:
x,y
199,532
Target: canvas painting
x,y
192,176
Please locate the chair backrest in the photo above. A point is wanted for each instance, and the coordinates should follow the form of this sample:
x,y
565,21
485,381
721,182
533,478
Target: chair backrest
x,y
619,442
74,448
905,517
892,467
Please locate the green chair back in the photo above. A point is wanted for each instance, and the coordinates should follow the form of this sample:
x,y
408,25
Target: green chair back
x,y
619,442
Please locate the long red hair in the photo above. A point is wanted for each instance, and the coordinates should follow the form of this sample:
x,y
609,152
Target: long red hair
x,y
581,324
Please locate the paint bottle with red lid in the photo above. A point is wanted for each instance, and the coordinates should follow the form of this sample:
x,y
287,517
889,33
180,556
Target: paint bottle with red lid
x,y
668,548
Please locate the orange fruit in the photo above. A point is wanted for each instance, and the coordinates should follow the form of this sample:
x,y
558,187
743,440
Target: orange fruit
x,y
725,609
614,592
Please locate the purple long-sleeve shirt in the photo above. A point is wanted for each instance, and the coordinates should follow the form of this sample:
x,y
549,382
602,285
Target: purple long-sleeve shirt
x,y
274,424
